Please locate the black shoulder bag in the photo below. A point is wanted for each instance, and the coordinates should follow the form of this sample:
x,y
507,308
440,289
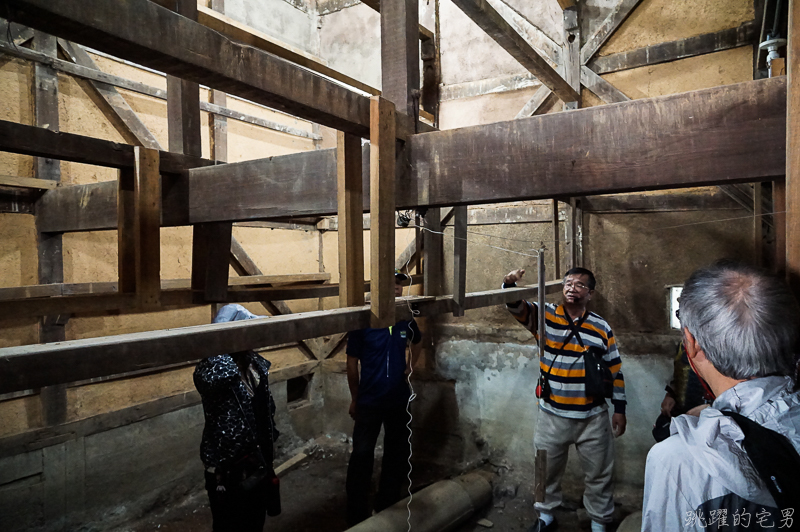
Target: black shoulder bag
x,y
598,379
774,458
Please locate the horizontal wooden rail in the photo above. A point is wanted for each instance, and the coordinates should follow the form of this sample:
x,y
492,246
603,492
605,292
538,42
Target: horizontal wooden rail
x,y
35,366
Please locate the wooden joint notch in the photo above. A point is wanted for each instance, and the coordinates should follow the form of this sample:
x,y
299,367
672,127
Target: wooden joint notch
x,y
381,211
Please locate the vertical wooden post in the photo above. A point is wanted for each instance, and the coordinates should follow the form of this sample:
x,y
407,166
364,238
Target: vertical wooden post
x,y
758,227
576,231
540,299
793,149
571,55
219,129
459,258
381,210
779,221
556,242
51,261
433,253
350,198
126,231
400,54
147,209
418,242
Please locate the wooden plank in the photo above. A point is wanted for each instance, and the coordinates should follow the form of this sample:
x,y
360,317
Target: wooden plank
x,y
566,4
400,72
245,34
34,366
116,103
147,216
459,258
126,231
606,29
744,35
196,54
382,207
792,190
19,34
601,88
739,130
490,21
556,242
350,197
27,182
535,103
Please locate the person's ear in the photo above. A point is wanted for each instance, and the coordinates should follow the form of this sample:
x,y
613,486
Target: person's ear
x,y
691,346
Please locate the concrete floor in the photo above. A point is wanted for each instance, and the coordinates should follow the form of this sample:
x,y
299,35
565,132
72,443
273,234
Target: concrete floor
x,y
313,500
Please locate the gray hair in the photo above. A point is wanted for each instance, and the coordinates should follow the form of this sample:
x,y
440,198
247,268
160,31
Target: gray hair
x,y
744,319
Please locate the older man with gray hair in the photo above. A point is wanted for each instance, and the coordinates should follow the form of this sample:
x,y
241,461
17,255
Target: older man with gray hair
x,y
740,331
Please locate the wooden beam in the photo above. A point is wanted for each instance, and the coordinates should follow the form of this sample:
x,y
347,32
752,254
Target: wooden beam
x,y
147,217
663,135
109,94
459,259
141,88
245,34
779,219
566,4
670,202
196,54
382,206
745,35
27,182
606,29
758,226
34,366
350,197
740,129
41,142
66,289
535,103
490,21
792,191
601,88
210,245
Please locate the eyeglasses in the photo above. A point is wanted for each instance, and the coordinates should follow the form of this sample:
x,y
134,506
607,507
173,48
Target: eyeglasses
x,y
575,284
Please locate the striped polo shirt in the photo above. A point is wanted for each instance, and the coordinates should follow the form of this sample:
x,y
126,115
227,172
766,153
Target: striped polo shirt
x,y
567,376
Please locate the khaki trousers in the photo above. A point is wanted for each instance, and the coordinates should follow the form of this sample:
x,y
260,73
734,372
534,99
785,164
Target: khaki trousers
x,y
594,441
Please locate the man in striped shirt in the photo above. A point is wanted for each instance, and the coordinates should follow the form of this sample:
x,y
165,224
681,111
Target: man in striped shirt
x,y
567,414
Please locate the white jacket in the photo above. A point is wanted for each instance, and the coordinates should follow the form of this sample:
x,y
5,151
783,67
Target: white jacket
x,y
700,477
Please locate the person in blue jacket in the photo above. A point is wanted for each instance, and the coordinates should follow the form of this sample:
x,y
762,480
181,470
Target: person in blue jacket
x,y
380,396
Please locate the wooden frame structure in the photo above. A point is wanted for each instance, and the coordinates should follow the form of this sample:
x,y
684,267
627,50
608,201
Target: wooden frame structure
x,y
730,134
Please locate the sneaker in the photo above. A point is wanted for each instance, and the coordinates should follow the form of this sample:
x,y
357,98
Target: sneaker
x,y
539,526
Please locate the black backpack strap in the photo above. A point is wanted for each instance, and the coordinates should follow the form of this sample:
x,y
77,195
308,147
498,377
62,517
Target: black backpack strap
x,y
774,458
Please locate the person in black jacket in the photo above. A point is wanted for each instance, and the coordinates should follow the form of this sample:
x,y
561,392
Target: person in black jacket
x,y
237,444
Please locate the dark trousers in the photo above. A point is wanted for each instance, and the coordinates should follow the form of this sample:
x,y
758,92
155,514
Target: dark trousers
x,y
235,510
394,468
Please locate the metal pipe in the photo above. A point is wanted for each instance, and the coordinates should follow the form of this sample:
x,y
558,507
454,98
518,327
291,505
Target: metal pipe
x,y
438,508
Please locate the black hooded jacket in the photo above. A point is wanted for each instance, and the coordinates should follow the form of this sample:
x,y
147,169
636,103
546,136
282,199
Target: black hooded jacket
x,y
236,422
